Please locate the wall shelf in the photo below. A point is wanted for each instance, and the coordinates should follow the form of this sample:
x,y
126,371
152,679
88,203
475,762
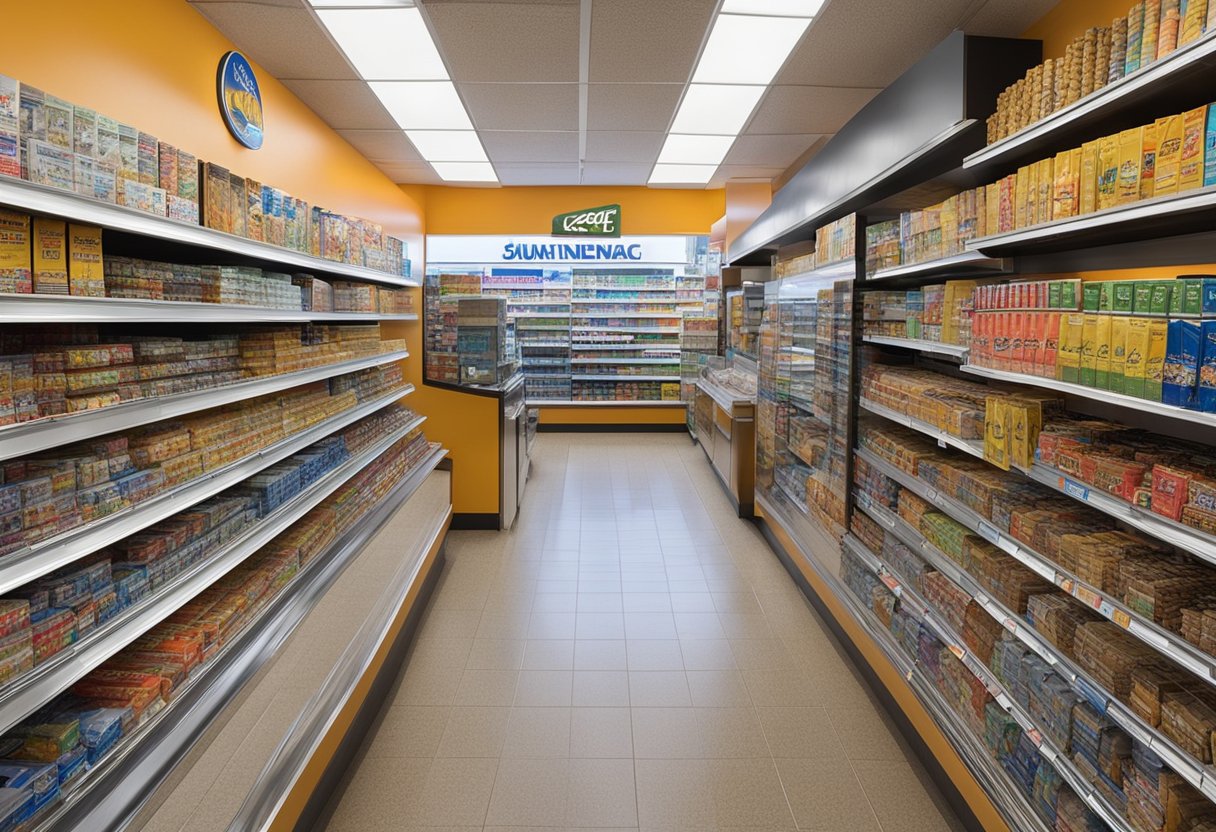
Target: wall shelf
x,y
36,309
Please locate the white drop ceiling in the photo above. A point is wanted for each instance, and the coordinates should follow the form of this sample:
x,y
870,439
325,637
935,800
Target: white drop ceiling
x,y
516,65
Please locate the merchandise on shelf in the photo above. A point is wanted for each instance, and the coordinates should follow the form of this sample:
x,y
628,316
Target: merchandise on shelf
x,y
940,313
932,233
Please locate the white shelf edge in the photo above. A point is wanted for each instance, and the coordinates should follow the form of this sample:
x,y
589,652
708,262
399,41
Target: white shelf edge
x,y
944,439
624,345
40,309
1157,72
953,266
839,269
622,289
38,199
30,691
24,565
633,315
625,360
27,438
631,329
951,350
578,403
605,377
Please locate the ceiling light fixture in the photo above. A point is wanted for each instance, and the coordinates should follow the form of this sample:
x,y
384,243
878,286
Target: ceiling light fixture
x,y
465,171
749,42
448,145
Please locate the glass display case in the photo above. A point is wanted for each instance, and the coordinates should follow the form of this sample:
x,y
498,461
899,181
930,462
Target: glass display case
x,y
724,424
744,308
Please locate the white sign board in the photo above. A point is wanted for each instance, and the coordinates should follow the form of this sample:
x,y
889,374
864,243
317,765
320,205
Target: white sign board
x,y
556,251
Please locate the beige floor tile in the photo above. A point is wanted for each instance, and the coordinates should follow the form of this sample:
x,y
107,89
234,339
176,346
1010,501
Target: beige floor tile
x,y
538,732
666,733
731,733
601,732
654,654
601,688
456,792
408,731
801,732
496,654
675,794
762,654
748,793
647,602
550,625
903,798
736,602
486,688
529,793
600,654
658,689
707,654
780,688
439,652
428,689
382,796
718,689
745,625
539,688
474,732
452,623
699,625
512,624
600,625
601,793
867,734
556,602
649,625
549,654
826,796
599,602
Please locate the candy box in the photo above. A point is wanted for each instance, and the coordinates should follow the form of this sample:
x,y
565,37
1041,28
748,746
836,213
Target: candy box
x,y
40,778
71,765
1169,491
47,741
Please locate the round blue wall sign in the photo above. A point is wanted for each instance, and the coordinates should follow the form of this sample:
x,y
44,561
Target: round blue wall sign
x,y
240,99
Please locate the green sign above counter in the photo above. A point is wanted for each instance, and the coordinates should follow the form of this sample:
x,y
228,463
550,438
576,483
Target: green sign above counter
x,y
604,221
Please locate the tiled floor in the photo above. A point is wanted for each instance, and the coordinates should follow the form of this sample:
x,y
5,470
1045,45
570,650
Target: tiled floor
x,y
630,656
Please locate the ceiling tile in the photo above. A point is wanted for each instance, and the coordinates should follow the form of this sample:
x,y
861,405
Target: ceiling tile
x,y
522,106
616,173
285,39
769,151
869,43
507,42
623,146
726,173
382,145
647,40
1006,18
537,174
644,107
344,105
413,173
294,4
530,146
807,109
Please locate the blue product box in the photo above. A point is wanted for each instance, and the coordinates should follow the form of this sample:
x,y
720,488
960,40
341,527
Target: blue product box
x,y
1209,148
71,765
1206,395
42,779
1183,347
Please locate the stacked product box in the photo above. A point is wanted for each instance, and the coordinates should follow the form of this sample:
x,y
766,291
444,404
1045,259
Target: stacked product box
x,y
931,233
940,313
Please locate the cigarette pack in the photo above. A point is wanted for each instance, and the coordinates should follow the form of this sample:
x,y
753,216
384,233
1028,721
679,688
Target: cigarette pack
x,y
1152,28
10,126
182,209
1068,354
1181,368
146,159
1089,353
237,205
1167,31
84,131
1045,181
50,257
1142,296
86,273
1190,160
128,152
32,121
135,194
1102,353
997,432
1134,356
1118,353
1089,178
254,226
1193,21
1209,149
1021,213
107,141
1206,386
187,176
1135,31
1148,160
1123,296
1169,155
59,117
1162,295
51,165
15,265
1065,194
1107,172
1154,361
1131,156
166,158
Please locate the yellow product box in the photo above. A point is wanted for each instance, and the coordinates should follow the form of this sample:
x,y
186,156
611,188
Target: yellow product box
x,y
1102,353
1134,354
1025,422
1065,179
1193,23
1021,197
1148,161
1089,352
86,273
1108,171
15,265
997,431
50,257
1169,154
1118,346
1154,360
992,208
1068,352
1089,178
1190,159
1045,180
1131,156
957,295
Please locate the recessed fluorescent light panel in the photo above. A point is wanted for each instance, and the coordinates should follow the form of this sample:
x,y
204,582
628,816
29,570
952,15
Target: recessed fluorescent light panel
x,y
748,44
389,45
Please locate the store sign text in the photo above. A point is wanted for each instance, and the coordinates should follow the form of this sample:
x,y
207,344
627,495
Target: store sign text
x,y
601,221
513,252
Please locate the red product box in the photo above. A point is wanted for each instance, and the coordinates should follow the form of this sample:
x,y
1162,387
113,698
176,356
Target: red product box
x,y
1170,490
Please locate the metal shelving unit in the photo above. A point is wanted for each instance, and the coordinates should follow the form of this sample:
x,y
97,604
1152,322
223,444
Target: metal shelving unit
x,y
26,438
970,446
967,264
614,377
45,201
934,348
33,309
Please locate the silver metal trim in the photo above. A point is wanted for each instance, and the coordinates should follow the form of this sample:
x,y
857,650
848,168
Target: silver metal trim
x,y
605,377
974,448
721,396
38,199
26,438
18,309
953,266
932,347
572,403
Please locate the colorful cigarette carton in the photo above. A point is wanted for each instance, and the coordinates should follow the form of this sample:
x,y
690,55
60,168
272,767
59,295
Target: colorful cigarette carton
x,y
1068,355
10,126
1102,353
1148,162
1190,160
86,273
50,256
1131,156
15,265
1205,396
1108,172
1169,155
1089,176
1135,352
1118,353
1154,361
1089,355
1181,369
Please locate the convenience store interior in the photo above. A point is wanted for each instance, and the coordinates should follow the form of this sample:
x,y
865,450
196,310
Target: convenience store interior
x,y
665,415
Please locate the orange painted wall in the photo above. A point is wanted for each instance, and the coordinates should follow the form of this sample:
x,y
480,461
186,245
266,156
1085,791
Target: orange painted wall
x,y
1070,18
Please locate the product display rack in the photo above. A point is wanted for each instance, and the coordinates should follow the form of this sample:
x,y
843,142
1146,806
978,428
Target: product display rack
x,y
23,309
539,304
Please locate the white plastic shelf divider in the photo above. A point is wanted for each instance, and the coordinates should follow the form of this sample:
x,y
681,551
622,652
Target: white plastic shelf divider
x,y
38,199
1167,643
622,289
616,403
655,329
625,315
931,347
673,360
24,565
27,438
38,309
626,345
1130,402
30,691
624,301
624,378
1091,109
1047,749
526,315
944,439
966,263
1201,776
